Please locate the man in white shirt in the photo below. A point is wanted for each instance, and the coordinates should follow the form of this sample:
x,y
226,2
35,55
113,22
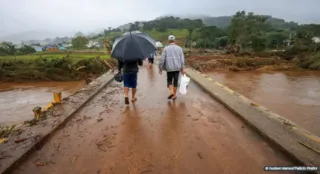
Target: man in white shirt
x,y
172,61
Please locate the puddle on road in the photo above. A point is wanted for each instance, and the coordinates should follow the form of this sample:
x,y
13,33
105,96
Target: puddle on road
x,y
293,95
18,99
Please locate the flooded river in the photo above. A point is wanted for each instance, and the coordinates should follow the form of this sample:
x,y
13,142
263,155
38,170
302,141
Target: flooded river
x,y
18,99
293,95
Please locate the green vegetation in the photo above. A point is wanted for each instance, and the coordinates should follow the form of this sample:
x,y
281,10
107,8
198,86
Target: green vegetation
x,y
60,66
7,48
74,56
48,68
79,42
241,34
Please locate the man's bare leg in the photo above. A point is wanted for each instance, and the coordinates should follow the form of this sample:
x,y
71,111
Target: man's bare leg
x,y
134,90
126,94
174,93
171,92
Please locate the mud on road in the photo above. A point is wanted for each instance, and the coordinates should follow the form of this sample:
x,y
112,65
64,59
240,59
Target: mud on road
x,y
193,134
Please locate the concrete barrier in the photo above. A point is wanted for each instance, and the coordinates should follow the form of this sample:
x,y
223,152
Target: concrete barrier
x,y
33,137
301,145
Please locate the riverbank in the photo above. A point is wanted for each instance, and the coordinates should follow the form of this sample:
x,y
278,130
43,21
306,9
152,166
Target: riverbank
x,y
204,61
17,141
47,68
29,95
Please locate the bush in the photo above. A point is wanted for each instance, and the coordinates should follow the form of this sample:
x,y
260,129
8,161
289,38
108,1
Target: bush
x,y
309,62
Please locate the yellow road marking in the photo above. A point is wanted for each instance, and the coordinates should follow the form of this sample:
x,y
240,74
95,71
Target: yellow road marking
x,y
312,137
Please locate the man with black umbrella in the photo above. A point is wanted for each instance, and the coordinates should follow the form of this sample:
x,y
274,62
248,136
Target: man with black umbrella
x,y
130,77
130,50
172,60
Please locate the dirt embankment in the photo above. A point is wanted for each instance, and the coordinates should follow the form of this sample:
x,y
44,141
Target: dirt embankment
x,y
62,69
205,60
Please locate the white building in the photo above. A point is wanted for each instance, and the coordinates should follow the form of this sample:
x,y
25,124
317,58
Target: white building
x,y
316,39
93,44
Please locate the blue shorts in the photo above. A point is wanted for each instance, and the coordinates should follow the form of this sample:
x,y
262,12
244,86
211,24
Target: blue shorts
x,y
130,80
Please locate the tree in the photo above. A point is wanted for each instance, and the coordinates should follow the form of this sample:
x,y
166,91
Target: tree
x,y
137,24
258,43
247,29
79,34
132,27
276,39
26,49
79,42
7,48
206,37
221,41
105,32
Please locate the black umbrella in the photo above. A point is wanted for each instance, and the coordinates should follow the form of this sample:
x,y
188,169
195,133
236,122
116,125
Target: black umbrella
x,y
133,46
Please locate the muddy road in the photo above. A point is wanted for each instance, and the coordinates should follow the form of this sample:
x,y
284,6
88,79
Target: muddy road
x,y
194,134
27,96
294,95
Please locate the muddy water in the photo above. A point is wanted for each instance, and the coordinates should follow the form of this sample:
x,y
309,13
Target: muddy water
x,y
18,99
293,95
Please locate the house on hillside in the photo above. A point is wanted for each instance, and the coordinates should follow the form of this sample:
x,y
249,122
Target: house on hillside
x,y
61,47
316,39
94,44
67,45
50,48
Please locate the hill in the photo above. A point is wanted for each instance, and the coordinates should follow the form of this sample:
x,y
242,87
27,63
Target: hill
x,y
224,21
28,35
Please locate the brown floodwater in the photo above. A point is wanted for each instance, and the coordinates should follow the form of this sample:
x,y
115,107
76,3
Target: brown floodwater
x,y
18,99
293,95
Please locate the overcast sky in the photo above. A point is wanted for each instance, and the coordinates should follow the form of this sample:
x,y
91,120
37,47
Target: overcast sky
x,y
69,16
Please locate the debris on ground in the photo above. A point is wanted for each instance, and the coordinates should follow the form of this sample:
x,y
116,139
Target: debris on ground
x,y
205,61
74,159
200,155
3,140
145,171
195,119
20,140
100,119
41,163
31,122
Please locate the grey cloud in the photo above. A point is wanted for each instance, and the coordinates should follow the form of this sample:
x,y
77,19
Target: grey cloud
x,y
68,16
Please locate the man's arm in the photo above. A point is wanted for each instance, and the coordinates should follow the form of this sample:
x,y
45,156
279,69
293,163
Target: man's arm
x,y
120,65
162,59
140,62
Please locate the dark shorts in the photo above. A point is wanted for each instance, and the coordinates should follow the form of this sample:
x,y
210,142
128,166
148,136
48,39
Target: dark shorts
x,y
172,78
130,80
151,60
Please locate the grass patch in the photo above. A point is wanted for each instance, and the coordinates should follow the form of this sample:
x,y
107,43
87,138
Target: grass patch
x,y
74,56
163,36
58,69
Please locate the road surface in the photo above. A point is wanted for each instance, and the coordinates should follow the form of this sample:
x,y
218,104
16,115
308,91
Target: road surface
x,y
194,134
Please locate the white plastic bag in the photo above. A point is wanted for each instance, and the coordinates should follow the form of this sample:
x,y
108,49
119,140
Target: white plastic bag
x,y
184,81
